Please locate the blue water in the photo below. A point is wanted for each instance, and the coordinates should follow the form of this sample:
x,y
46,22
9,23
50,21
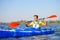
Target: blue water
x,y
55,36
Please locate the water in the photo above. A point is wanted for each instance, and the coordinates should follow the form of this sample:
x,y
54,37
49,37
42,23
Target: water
x,y
55,36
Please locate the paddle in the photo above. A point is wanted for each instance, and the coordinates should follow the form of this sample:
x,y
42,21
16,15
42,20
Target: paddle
x,y
13,24
52,16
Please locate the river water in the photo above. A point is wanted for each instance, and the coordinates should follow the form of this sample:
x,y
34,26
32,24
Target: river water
x,y
55,36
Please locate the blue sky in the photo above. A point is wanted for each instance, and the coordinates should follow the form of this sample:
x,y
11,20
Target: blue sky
x,y
14,10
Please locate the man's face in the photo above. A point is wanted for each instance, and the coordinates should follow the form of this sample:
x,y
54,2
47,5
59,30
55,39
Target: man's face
x,y
35,18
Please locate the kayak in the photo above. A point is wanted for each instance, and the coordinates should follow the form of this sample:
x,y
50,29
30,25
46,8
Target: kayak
x,y
24,32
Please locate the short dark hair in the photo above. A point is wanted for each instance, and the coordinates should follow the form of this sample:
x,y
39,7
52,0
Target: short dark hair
x,y
36,16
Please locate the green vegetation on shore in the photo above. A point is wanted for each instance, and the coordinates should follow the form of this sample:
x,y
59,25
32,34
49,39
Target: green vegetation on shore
x,y
53,22
48,22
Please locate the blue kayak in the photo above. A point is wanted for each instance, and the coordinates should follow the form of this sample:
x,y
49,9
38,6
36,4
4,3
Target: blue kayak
x,y
24,32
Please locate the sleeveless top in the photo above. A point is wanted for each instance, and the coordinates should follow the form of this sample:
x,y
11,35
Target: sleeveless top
x,y
36,24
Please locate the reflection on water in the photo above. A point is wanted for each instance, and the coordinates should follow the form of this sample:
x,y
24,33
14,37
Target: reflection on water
x,y
55,36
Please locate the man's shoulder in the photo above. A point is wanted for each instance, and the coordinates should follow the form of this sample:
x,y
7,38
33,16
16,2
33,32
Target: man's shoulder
x,y
40,21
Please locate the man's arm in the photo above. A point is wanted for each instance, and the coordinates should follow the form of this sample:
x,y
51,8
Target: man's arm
x,y
27,24
44,21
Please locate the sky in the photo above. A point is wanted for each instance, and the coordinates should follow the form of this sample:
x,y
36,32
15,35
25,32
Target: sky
x,y
15,10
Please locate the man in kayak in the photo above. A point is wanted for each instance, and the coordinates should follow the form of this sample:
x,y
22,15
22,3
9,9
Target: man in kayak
x,y
36,23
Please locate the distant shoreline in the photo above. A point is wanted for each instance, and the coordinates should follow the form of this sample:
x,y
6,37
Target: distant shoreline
x,y
48,22
53,22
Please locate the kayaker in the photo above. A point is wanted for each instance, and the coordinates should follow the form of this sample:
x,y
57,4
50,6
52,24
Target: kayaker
x,y
36,23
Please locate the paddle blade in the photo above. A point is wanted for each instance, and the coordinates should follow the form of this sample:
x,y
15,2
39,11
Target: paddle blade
x,y
13,24
52,16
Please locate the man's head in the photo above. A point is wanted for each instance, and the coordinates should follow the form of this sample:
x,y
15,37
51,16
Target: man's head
x,y
35,17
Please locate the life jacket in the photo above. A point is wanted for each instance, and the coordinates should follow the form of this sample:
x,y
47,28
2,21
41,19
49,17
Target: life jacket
x,y
35,25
